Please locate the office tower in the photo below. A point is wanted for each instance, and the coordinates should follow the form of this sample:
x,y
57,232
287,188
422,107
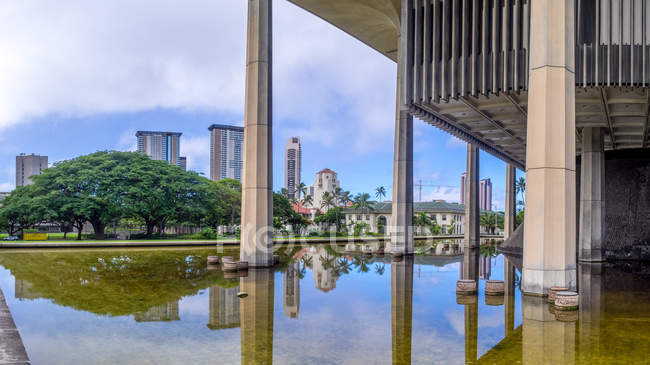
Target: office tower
x,y
183,162
485,194
28,166
164,146
292,166
292,290
463,181
484,191
226,160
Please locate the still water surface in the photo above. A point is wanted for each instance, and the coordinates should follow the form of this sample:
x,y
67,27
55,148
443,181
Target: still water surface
x,y
319,306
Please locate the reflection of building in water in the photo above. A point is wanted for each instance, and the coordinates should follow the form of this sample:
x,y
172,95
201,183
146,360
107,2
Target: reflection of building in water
x,y
323,273
160,313
23,290
485,267
292,290
224,308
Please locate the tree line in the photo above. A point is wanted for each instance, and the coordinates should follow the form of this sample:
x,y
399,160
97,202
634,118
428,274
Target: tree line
x,y
121,188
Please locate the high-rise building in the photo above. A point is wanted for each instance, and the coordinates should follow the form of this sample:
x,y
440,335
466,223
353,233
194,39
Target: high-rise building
x,y
226,160
484,192
163,146
183,162
292,166
463,181
28,166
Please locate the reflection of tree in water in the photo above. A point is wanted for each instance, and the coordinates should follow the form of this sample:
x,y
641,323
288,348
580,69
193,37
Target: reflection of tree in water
x,y
488,250
115,283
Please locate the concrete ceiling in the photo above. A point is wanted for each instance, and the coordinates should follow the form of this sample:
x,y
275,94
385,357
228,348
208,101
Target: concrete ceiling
x,y
373,22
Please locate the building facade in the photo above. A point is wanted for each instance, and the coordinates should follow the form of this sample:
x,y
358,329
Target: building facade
x,y
183,162
28,166
292,166
449,216
326,181
226,161
162,146
3,195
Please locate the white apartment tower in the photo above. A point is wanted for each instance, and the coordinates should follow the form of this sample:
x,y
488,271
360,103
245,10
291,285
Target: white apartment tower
x,y
163,146
292,166
226,160
28,166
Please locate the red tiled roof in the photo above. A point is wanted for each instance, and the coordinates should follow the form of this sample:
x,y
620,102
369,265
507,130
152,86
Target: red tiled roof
x,y
326,171
298,208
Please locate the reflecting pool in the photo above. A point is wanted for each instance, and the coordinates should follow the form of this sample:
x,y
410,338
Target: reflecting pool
x,y
320,305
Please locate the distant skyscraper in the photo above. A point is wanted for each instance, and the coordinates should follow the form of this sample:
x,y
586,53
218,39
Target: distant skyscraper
x,y
183,162
292,290
484,192
164,146
292,165
463,181
28,166
226,160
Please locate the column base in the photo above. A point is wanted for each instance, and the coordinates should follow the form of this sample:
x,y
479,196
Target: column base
x,y
536,282
591,255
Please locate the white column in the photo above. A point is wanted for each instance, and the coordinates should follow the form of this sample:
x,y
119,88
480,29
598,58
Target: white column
x,y
592,195
402,208
472,212
550,215
257,188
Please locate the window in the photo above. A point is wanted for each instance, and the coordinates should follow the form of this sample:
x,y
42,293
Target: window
x,y
367,217
444,217
358,217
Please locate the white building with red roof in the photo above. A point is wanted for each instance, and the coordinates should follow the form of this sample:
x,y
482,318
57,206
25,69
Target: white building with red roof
x,y
326,181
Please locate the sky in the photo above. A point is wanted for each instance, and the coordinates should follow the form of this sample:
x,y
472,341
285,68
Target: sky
x,y
78,77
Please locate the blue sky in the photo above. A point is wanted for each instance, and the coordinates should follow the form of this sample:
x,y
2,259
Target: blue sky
x,y
80,77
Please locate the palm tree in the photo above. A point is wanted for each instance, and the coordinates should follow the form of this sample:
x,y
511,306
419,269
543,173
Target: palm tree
x,y
489,221
452,227
301,189
520,187
327,201
421,220
380,192
362,202
345,198
307,200
284,192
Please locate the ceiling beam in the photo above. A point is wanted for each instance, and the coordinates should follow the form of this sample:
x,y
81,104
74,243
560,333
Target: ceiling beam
x,y
603,99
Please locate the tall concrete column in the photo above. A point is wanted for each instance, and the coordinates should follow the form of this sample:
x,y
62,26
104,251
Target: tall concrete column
x,y
401,294
545,340
590,340
257,317
257,188
592,195
402,207
511,202
472,212
550,216
471,332
509,296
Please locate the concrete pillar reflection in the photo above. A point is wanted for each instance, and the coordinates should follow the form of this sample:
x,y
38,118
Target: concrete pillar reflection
x,y
469,268
509,295
550,215
257,184
472,212
471,331
590,288
511,202
257,317
401,290
592,195
545,340
402,207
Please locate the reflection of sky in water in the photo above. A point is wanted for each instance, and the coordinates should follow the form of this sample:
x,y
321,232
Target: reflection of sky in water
x,y
348,324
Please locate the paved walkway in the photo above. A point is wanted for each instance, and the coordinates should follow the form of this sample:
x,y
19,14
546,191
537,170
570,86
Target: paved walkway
x,y
12,350
170,243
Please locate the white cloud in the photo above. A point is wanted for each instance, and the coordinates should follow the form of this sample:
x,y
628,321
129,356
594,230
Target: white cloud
x,y
127,141
6,186
76,58
453,142
449,194
197,151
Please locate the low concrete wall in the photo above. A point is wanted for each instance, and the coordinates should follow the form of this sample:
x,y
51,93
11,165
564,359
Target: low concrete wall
x,y
627,205
12,350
